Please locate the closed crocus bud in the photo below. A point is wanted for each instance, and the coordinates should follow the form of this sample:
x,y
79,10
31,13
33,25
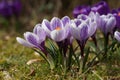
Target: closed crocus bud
x,y
116,13
107,23
117,35
81,10
101,7
81,30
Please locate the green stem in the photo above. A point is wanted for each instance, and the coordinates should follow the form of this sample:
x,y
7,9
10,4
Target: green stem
x,y
105,44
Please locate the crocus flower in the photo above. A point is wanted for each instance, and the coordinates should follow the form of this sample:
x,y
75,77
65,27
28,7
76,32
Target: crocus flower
x,y
107,23
101,7
57,29
34,39
116,13
82,30
117,35
81,10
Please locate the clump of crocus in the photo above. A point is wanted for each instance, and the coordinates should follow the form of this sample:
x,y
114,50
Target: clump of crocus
x,y
57,30
9,8
53,39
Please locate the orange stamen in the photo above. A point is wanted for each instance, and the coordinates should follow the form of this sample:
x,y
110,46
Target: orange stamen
x,y
57,28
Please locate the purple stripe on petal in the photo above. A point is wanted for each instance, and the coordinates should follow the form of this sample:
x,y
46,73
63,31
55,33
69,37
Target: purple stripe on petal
x,y
117,35
65,20
77,22
46,24
56,22
31,38
82,16
83,32
24,42
35,28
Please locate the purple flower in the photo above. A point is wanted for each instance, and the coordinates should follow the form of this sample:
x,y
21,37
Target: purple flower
x,y
117,35
57,29
116,13
107,23
101,7
16,7
81,10
35,39
5,10
9,8
81,30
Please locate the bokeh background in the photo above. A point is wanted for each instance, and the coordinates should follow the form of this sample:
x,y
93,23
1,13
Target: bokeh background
x,y
34,11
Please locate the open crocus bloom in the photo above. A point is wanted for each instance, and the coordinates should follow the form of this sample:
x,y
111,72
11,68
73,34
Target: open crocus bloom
x,y
57,29
107,23
117,35
35,39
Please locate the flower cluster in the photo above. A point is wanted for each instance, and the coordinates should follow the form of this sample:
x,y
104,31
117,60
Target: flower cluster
x,y
54,40
10,7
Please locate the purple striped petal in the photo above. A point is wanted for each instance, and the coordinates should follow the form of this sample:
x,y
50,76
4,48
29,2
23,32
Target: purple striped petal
x,y
46,25
77,22
65,20
117,35
35,28
82,16
31,38
56,22
110,24
41,34
24,42
83,32
92,28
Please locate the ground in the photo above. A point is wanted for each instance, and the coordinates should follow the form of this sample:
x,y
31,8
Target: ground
x,y
15,64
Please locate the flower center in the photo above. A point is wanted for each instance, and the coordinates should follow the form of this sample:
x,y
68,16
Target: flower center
x,y
118,13
57,28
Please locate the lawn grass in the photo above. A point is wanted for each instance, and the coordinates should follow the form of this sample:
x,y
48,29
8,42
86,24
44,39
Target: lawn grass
x,y
14,58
